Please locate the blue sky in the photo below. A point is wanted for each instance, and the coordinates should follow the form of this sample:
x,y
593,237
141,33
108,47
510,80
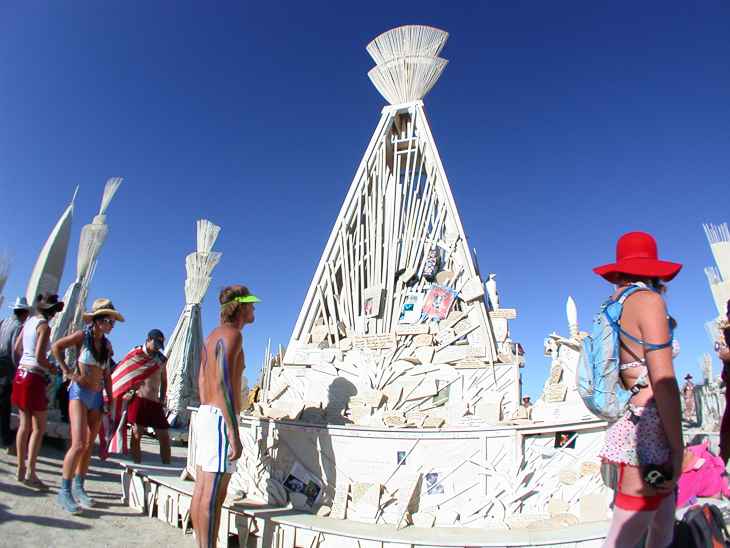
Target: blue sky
x,y
561,126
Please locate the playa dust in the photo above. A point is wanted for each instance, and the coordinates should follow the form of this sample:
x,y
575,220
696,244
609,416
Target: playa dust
x,y
29,518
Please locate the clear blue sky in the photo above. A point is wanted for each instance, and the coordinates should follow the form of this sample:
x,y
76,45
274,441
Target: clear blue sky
x,y
561,126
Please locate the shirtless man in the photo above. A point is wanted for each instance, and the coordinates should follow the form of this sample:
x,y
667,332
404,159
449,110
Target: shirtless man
x,y
145,409
218,445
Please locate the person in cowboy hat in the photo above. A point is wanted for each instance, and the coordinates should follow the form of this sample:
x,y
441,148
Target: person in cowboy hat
x,y
526,402
86,401
29,387
9,330
652,434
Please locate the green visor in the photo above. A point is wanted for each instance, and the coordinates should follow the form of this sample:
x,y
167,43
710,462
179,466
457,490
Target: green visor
x,y
245,299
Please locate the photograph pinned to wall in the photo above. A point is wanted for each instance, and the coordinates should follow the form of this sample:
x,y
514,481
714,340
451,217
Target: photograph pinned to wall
x,y
411,311
442,396
371,299
401,457
438,302
301,481
436,487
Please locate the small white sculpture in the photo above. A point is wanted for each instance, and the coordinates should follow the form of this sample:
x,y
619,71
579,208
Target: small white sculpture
x,y
491,285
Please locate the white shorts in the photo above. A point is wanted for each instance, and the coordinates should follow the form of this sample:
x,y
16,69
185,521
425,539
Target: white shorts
x,y
211,441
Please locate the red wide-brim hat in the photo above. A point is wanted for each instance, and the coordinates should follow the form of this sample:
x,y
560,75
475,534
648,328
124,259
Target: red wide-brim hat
x,y
636,253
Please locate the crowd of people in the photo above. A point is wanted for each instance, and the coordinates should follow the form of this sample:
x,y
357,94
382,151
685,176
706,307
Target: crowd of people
x,y
645,445
101,394
30,367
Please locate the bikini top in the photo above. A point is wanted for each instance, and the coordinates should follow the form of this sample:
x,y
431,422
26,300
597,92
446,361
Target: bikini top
x,y
642,361
85,356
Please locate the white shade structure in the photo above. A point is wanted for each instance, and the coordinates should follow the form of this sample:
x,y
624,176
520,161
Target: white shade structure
x,y
46,275
185,344
719,277
6,264
407,61
92,238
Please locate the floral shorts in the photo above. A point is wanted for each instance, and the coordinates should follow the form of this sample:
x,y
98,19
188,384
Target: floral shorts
x,y
636,444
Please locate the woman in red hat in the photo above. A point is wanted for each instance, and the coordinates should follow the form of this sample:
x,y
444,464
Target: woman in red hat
x,y
646,443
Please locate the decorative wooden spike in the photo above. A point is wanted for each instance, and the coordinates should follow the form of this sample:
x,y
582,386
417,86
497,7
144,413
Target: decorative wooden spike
x,y
407,61
109,190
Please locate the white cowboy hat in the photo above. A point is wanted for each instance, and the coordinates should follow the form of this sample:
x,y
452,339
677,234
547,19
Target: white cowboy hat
x,y
21,303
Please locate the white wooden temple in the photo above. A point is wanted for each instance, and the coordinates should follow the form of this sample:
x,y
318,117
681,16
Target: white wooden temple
x,y
393,414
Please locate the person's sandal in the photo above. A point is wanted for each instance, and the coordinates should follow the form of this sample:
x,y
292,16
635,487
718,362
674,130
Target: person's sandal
x,y
37,485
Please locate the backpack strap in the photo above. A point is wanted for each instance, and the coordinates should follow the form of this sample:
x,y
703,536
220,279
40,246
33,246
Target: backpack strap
x,y
620,300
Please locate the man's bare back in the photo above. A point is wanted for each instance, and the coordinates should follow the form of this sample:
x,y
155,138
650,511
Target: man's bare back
x,y
222,357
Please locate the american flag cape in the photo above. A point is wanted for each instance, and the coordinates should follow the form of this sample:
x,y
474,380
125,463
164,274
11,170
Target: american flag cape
x,y
134,368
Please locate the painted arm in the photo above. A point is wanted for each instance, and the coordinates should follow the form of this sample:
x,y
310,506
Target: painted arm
x,y
227,356
59,352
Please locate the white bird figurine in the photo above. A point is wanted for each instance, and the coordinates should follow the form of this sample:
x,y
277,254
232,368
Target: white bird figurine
x,y
491,285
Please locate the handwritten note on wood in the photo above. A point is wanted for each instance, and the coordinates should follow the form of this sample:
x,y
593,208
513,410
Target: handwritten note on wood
x,y
472,289
418,329
504,313
589,468
470,362
568,476
339,504
376,341
406,487
593,507
555,392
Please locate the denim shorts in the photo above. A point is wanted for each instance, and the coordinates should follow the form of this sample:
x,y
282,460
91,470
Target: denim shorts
x,y
92,400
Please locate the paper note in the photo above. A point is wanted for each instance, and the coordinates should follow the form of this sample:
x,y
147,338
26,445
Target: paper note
x,y
555,392
521,521
504,313
339,503
593,507
589,468
471,290
470,362
568,476
376,341
406,329
406,487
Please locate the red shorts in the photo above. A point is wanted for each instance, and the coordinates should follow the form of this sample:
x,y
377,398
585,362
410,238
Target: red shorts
x,y
148,413
29,391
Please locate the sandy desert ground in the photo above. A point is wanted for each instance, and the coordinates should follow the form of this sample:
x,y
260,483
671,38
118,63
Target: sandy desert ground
x,y
29,518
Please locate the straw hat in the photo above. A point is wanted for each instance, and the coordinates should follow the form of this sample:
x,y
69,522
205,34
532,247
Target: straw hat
x,y
102,307
636,253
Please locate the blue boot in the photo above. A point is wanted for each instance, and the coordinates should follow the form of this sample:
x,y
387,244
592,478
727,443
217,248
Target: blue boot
x,y
79,493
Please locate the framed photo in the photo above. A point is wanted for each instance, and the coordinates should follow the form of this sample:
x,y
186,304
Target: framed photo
x,y
371,299
438,302
411,310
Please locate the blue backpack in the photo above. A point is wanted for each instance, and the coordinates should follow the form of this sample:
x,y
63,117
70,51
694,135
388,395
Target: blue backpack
x,y
598,380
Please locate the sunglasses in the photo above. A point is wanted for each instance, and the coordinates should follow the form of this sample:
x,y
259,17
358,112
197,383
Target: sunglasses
x,y
109,321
